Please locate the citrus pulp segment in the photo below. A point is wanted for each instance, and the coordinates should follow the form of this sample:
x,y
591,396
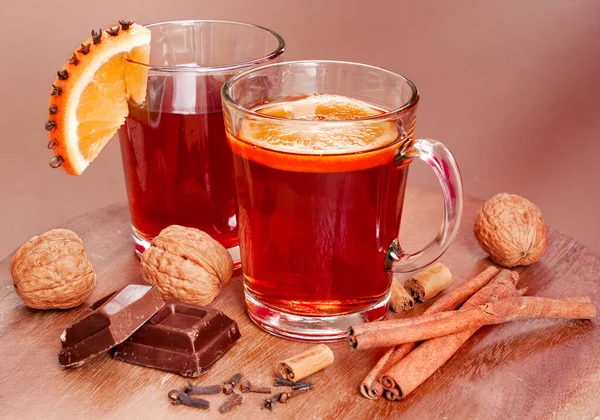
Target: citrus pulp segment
x,y
317,133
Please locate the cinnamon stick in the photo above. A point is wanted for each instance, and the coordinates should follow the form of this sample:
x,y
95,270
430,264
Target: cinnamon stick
x,y
459,295
491,313
441,309
393,324
447,302
410,372
371,387
306,363
429,282
400,299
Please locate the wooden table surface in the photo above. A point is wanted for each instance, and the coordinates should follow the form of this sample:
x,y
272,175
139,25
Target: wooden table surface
x,y
536,369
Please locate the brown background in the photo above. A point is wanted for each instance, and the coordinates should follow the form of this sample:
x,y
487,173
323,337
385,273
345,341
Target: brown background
x,y
511,87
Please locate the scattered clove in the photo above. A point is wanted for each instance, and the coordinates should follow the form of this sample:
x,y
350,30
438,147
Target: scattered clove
x,y
73,59
249,387
178,397
56,161
53,109
84,49
285,396
56,90
231,383
113,31
50,125
62,74
281,381
192,389
270,402
231,402
52,144
125,24
184,396
303,385
96,36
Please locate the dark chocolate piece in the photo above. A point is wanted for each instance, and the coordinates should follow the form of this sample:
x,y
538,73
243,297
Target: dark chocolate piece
x,y
182,339
107,323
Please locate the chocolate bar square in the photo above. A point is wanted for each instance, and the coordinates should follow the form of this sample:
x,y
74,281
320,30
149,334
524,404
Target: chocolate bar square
x,y
108,322
182,339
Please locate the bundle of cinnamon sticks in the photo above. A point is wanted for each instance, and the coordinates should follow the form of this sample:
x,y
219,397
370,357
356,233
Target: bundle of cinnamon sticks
x,y
418,346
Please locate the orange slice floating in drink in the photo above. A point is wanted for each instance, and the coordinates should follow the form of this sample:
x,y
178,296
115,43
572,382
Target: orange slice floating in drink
x,y
317,133
88,101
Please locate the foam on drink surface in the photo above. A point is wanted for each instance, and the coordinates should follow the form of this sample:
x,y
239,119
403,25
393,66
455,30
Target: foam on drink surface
x,y
319,125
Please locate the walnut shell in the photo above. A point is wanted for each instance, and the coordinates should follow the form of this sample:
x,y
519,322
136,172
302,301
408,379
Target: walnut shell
x,y
52,271
511,230
186,264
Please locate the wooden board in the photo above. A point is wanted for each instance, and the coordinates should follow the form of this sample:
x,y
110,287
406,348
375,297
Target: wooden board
x,y
537,369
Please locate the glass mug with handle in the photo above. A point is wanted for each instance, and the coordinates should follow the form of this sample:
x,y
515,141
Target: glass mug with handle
x,y
321,155
177,165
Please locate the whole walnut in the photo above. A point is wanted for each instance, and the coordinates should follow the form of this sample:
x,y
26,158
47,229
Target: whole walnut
x,y
52,271
186,264
511,230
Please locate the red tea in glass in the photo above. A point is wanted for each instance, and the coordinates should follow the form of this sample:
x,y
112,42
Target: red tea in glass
x,y
321,152
311,225
185,180
177,164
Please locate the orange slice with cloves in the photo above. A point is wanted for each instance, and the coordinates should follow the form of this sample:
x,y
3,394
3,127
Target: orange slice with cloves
x,y
88,100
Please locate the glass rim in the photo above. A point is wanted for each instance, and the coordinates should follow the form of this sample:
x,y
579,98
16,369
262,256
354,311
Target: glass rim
x,y
226,97
220,68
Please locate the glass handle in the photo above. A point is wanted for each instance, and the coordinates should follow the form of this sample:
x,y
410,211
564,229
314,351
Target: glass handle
x,y
436,155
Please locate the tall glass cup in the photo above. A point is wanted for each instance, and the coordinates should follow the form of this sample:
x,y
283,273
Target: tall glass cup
x,y
321,156
178,167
